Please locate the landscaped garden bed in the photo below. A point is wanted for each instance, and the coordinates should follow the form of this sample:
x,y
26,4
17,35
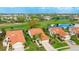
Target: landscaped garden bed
x,y
32,45
75,39
57,43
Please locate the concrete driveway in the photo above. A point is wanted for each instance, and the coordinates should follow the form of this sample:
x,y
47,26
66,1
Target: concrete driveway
x,y
48,47
75,48
70,43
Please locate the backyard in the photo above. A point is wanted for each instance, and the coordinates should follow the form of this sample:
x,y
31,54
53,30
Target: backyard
x,y
75,39
57,43
32,45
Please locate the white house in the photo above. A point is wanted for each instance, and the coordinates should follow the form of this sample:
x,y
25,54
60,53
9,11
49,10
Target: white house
x,y
60,32
15,39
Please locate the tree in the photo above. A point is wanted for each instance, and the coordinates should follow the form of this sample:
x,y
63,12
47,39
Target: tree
x,y
37,36
2,35
21,18
33,23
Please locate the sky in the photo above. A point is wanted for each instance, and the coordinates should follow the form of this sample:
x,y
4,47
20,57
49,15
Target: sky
x,y
39,10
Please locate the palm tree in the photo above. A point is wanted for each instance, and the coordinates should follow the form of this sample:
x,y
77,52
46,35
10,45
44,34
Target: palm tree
x,y
33,23
36,37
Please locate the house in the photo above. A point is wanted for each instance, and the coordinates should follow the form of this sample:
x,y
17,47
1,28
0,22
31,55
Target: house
x,y
47,17
60,32
43,38
76,16
37,31
14,38
76,25
74,30
62,35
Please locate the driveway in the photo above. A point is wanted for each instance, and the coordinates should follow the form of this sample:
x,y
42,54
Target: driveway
x,y
75,48
70,43
48,47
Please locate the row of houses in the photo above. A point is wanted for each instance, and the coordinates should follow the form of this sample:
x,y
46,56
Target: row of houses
x,y
13,17
65,35
16,40
28,17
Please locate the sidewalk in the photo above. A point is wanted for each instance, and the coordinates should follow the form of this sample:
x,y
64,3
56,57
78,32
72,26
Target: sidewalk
x,y
74,48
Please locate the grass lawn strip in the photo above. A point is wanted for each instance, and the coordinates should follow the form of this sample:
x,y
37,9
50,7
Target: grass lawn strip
x,y
75,39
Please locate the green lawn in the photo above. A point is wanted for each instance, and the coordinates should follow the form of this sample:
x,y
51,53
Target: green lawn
x,y
22,26
25,26
57,43
75,39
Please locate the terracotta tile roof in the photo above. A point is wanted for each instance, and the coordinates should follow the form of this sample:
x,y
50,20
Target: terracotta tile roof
x,y
15,36
35,31
44,37
59,31
75,29
76,17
